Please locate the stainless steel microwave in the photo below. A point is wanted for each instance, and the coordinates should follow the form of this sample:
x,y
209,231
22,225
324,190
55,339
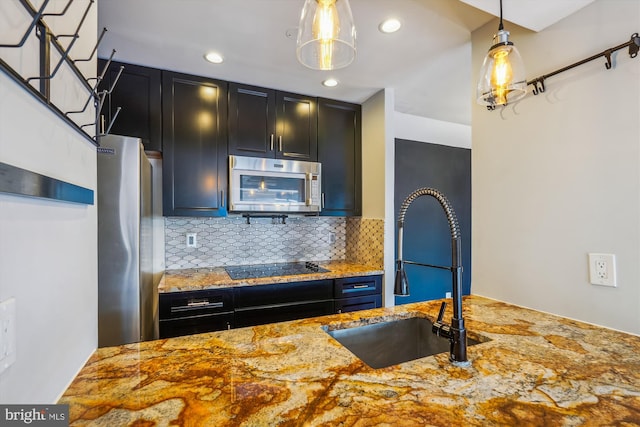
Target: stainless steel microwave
x,y
274,185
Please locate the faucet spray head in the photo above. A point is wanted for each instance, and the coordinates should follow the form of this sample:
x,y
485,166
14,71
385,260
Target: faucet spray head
x,y
401,287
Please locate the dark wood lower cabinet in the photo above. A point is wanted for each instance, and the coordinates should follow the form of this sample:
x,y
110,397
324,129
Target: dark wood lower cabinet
x,y
257,305
184,313
282,312
193,312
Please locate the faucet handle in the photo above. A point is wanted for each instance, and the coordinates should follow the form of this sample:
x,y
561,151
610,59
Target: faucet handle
x,y
439,328
443,306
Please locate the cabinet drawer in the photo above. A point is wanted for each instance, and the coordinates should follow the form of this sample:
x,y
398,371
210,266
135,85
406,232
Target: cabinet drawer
x,y
195,303
366,302
195,325
282,312
357,286
283,293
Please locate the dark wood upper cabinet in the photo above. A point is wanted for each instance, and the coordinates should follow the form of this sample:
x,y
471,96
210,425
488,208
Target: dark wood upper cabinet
x,y
252,121
340,152
138,93
297,127
195,145
267,123
197,122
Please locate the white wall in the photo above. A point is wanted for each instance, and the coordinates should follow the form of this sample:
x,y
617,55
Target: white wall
x,y
48,249
378,154
557,175
424,129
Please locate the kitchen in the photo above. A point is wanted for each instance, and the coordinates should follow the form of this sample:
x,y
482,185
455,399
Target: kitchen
x,y
557,151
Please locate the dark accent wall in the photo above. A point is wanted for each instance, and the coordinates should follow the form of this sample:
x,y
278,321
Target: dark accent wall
x,y
426,231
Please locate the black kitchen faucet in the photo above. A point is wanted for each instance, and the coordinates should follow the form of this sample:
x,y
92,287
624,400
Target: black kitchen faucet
x,y
456,332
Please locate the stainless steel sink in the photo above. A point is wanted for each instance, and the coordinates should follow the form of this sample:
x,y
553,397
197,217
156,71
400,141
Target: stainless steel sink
x,y
390,343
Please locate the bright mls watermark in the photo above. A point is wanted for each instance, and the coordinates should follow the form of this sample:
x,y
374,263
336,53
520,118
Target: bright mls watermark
x,y
34,415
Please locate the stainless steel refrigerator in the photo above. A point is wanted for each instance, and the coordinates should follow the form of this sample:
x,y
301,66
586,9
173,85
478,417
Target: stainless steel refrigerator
x,y
127,295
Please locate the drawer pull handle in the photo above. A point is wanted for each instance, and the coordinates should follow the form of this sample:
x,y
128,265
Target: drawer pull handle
x,y
193,305
360,286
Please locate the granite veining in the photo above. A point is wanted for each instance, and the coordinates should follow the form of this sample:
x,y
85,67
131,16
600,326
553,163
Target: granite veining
x,y
194,279
532,369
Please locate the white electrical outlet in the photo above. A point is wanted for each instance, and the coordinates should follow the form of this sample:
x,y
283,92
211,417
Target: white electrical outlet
x,y
7,333
192,240
602,269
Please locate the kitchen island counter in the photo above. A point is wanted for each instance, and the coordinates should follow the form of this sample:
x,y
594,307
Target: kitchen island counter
x,y
532,369
196,279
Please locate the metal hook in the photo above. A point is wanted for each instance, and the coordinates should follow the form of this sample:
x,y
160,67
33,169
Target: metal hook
x,y
607,54
63,57
36,18
634,45
95,49
113,120
65,54
94,92
77,31
60,13
538,86
92,95
105,68
115,82
101,98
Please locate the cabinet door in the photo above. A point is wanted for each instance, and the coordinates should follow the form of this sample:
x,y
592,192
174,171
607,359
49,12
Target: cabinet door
x,y
368,302
340,152
282,312
297,127
196,325
195,145
279,302
252,121
137,92
283,293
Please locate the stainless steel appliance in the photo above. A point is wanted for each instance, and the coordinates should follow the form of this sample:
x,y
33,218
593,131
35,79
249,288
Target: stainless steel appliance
x,y
273,185
127,296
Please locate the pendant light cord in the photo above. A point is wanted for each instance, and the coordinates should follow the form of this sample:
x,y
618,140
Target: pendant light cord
x,y
500,27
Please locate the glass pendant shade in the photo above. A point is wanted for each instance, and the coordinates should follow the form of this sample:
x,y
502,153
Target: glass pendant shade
x,y
502,77
326,35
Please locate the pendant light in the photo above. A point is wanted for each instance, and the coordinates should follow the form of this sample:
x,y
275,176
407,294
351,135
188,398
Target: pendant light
x,y
502,77
326,35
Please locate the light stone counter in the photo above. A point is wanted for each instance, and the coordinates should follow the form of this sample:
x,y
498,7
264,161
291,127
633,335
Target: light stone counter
x,y
536,370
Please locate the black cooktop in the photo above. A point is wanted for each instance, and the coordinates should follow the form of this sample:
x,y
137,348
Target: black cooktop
x,y
269,270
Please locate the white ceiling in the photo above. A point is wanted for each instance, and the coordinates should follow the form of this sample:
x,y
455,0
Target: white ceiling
x,y
427,62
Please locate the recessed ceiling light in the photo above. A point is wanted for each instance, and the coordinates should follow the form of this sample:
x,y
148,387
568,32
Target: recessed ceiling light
x,y
390,25
330,83
214,57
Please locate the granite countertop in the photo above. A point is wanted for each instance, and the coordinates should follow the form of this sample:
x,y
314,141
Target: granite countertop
x,y
194,279
536,370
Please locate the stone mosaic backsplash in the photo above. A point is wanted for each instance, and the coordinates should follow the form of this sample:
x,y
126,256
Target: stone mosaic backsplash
x,y
231,241
365,241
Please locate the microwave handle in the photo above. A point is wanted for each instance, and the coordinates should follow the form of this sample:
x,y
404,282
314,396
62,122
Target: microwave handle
x,y
307,188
